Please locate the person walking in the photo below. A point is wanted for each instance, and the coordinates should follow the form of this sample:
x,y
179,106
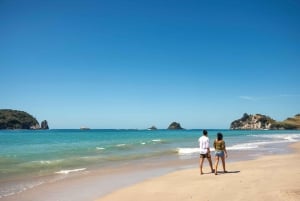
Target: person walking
x,y
204,151
220,152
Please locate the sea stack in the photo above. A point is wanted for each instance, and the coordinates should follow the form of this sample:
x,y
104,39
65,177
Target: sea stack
x,y
44,125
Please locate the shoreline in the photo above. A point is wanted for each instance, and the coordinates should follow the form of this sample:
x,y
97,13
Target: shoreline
x,y
272,177
94,184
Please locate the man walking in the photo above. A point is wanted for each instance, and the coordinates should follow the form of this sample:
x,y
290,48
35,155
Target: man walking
x,y
204,151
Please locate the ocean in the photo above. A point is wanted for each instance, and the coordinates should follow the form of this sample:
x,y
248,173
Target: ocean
x,y
29,158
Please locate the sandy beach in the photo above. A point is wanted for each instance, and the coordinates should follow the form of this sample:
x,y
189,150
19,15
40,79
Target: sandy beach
x,y
275,177
269,177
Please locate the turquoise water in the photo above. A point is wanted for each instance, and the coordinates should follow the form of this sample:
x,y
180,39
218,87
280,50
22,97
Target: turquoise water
x,y
38,153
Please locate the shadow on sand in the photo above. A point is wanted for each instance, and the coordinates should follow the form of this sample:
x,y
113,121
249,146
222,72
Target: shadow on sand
x,y
228,172
222,172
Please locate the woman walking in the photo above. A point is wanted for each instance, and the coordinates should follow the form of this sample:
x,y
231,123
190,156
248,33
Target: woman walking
x,y
220,152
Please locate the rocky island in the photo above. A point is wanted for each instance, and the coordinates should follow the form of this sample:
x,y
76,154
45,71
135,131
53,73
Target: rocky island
x,y
174,126
15,119
259,121
152,128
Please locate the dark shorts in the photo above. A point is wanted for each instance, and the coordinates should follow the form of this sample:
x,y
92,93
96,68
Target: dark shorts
x,y
207,155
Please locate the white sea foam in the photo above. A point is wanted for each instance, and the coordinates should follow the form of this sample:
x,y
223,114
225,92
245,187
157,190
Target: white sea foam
x,y
156,140
121,145
12,189
100,148
143,143
271,139
45,162
243,146
291,139
188,151
288,137
69,171
192,151
42,162
274,139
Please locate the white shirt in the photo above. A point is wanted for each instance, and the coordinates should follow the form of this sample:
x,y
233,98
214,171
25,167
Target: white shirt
x,y
203,144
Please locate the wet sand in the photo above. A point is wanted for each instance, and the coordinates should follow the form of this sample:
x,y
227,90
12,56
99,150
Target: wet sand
x,y
275,177
176,178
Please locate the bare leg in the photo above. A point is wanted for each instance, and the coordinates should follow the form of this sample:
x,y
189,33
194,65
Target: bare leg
x,y
223,163
210,164
216,165
201,164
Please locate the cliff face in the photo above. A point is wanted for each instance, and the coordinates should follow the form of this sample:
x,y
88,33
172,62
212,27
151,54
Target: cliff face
x,y
259,121
250,122
14,119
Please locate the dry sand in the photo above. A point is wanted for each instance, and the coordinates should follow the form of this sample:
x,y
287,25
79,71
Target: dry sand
x,y
268,178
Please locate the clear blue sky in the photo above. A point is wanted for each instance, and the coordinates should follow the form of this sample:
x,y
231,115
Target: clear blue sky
x,y
134,64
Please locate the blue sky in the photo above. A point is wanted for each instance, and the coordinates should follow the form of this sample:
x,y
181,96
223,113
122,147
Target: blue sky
x,y
134,64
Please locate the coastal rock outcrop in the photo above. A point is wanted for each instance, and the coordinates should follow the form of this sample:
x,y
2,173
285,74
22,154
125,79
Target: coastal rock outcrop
x,y
258,121
174,126
44,125
251,122
15,119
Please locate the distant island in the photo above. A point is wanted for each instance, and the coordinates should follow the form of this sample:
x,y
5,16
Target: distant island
x,y
84,128
174,126
152,128
259,122
15,119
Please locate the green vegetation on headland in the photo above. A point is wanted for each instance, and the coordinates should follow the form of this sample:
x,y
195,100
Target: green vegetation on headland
x,y
258,121
14,119
289,123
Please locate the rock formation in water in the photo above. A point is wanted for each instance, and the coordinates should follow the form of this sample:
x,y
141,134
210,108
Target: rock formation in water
x,y
174,126
152,128
258,121
44,125
15,119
